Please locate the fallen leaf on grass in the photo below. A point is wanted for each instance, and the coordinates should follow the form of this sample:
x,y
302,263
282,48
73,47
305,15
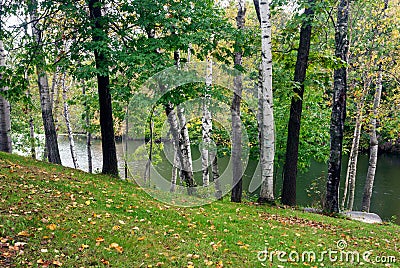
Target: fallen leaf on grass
x,y
116,247
116,228
51,226
57,263
23,233
99,240
82,247
141,238
105,262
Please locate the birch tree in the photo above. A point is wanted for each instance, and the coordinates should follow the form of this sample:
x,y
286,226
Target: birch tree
x,y
350,182
209,156
266,115
181,141
373,153
237,169
52,151
338,109
373,143
292,145
68,122
5,120
206,126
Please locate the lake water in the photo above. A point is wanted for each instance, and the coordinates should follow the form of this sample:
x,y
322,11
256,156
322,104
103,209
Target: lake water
x,y
386,192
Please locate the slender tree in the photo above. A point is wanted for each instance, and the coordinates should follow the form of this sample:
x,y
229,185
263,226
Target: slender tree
x,y
266,112
350,182
99,27
373,138
206,126
5,120
68,122
237,169
296,108
338,109
87,127
51,149
373,143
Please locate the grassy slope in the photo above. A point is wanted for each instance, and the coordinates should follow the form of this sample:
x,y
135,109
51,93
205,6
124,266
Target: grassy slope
x,y
70,218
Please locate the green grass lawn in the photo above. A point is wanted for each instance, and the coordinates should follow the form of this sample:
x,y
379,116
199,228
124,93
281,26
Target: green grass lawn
x,y
55,216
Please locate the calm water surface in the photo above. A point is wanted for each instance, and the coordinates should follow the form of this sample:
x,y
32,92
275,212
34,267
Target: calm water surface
x,y
386,192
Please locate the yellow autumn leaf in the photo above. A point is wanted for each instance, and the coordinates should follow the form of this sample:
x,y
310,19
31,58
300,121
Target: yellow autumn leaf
x,y
51,226
23,233
141,238
87,202
116,247
99,239
57,263
116,228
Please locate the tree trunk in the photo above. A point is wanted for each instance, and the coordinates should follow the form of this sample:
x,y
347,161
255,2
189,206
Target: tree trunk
x,y
5,120
148,163
267,135
53,153
338,110
350,183
237,169
185,145
174,169
215,174
352,164
181,149
126,140
55,98
32,137
206,126
54,84
292,145
373,143
110,164
88,133
31,124
68,123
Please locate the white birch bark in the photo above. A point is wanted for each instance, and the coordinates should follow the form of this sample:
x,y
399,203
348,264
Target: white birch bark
x,y
373,155
68,122
182,148
185,147
352,164
54,85
206,123
267,123
174,170
5,120
350,182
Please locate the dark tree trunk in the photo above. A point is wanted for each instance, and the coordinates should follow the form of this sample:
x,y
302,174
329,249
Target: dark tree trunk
x,y
110,164
292,146
338,110
237,170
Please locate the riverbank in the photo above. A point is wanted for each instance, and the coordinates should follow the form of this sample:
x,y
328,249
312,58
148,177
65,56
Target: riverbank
x,y
57,216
